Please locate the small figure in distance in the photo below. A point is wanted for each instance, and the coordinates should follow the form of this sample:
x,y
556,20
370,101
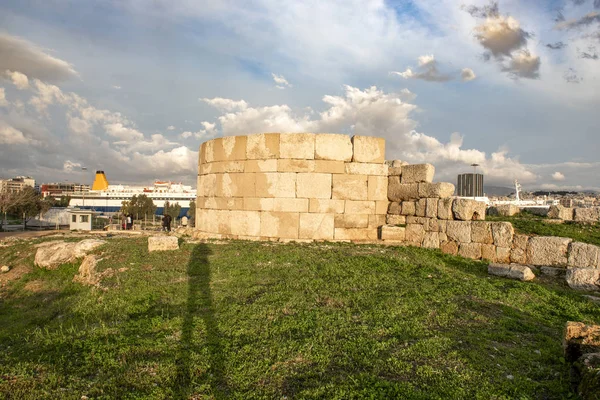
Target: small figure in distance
x,y
167,223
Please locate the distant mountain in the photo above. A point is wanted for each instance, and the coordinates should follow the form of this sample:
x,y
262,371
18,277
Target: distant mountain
x,y
497,190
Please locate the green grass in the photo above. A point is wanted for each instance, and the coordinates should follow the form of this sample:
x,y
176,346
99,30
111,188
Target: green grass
x,y
531,224
248,320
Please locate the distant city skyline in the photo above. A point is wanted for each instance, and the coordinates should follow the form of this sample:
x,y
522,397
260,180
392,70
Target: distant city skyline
x,y
133,88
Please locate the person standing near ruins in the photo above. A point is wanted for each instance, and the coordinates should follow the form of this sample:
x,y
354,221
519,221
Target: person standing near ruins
x,y
167,223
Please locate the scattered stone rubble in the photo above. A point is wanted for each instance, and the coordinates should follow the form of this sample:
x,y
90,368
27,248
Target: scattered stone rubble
x,y
50,255
163,243
581,344
584,215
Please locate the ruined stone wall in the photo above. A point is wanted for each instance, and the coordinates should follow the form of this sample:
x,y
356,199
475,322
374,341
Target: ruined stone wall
x,y
301,186
577,214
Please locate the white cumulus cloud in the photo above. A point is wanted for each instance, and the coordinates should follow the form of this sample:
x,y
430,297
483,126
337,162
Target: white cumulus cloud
x,y
558,176
18,79
467,74
281,82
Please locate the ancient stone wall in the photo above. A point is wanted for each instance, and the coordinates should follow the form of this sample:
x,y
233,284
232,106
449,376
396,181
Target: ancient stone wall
x,y
301,186
577,214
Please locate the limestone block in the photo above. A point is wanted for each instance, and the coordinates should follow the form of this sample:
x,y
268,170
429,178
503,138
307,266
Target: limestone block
x,y
368,149
470,250
355,234
431,240
547,250
297,145
375,221
395,233
392,219
503,254
402,192
394,171
432,225
163,243
416,220
415,233
416,173
258,203
275,184
507,210
377,188
235,185
316,226
488,252
579,339
397,163
279,224
560,212
394,208
467,209
208,185
261,166
431,207
329,146
330,167
442,224
520,272
443,237
224,166
290,205
583,278
503,233
355,168
518,256
359,207
200,202
409,208
313,186
438,189
294,165
224,203
202,154
520,242
381,206
326,206
449,247
245,223
233,148
445,208
220,221
583,255
481,232
349,187
420,207
209,151
262,146
459,231
586,214
351,221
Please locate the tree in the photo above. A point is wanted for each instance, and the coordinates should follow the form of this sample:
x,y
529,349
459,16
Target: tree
x,y
172,209
191,213
139,206
27,203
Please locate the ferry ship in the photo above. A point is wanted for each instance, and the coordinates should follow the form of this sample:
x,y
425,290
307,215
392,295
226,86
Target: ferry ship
x,y
107,198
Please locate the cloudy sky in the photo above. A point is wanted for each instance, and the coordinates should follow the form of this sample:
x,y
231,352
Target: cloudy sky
x,y
134,86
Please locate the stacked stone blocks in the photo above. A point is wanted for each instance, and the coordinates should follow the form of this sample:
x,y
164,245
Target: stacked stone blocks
x,y
292,186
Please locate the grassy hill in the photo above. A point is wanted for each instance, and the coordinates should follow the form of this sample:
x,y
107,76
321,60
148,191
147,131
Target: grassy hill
x,y
260,320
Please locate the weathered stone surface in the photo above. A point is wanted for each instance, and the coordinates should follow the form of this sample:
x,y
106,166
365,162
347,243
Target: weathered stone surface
x,y
417,173
271,184
207,185
163,243
420,207
356,168
553,271
431,240
368,149
394,208
481,232
375,221
431,207
356,234
503,233
438,189
583,255
583,278
279,224
560,212
392,219
330,146
470,250
326,206
488,252
350,187
330,167
260,166
243,223
351,221
290,205
396,233
258,204
459,231
234,148
402,192
5,268
467,209
547,250
512,271
262,146
415,233
313,186
586,214
381,206
520,241
518,256
416,220
377,188
297,145
397,171
52,254
432,225
87,271
235,185
445,208
449,247
503,254
507,210
359,207
316,226
295,165
580,339
409,208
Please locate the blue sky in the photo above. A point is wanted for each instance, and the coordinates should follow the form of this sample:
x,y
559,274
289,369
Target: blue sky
x,y
130,86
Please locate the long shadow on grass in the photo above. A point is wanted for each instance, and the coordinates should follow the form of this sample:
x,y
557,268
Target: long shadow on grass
x,y
200,307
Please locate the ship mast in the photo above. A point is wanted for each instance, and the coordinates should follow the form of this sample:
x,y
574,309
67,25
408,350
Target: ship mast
x,y
517,191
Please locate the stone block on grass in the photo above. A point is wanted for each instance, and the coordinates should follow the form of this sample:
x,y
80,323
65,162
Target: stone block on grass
x,y
163,243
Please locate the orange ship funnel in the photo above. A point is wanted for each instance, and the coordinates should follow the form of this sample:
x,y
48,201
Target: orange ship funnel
x,y
100,182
